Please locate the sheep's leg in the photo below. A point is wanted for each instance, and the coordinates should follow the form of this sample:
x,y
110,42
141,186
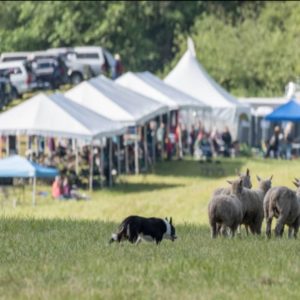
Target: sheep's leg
x,y
247,229
219,227
279,229
269,226
233,229
213,230
290,232
296,227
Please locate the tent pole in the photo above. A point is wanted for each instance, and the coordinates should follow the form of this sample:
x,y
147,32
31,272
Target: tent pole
x,y
37,139
145,147
179,141
101,164
189,128
136,153
91,167
154,146
76,157
169,123
163,138
126,158
110,162
19,144
119,155
33,190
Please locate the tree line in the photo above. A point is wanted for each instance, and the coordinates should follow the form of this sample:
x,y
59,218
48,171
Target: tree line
x,y
249,47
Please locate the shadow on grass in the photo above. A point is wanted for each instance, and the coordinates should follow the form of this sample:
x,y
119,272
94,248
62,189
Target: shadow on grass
x,y
131,187
191,168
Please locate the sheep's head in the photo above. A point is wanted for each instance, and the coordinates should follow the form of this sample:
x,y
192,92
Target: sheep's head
x,y
236,186
246,179
264,184
296,182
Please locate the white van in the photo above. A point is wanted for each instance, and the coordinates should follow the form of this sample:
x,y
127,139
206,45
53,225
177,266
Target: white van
x,y
13,56
21,75
95,57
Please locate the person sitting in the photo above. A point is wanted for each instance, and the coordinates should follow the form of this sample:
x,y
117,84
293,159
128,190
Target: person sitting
x,y
57,188
66,189
205,147
226,137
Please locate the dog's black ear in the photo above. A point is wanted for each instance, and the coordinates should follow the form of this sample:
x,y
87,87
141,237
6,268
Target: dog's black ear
x,y
171,220
166,218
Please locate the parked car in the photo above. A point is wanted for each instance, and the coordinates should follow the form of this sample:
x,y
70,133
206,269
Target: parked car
x,y
47,73
77,71
21,75
100,60
61,70
13,56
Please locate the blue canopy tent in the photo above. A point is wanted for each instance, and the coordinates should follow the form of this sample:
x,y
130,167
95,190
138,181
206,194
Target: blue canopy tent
x,y
289,111
18,166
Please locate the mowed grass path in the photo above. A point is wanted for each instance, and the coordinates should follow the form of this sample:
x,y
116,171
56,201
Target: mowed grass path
x,y
59,250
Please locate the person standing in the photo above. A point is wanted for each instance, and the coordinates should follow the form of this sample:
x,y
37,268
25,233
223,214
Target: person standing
x,y
226,137
274,143
118,69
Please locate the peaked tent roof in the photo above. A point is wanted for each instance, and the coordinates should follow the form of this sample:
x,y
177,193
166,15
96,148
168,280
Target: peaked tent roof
x,y
107,98
289,111
148,84
18,166
190,77
55,115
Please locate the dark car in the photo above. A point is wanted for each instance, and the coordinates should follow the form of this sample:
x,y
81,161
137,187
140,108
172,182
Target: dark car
x,y
47,73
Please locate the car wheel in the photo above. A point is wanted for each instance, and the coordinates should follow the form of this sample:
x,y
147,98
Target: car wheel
x,y
76,78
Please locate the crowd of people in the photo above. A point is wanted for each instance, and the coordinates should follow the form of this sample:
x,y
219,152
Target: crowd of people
x,y
198,142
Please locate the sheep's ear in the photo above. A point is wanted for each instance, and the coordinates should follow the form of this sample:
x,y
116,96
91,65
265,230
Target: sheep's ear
x,y
258,178
229,181
296,179
271,177
241,183
166,218
248,172
296,183
171,220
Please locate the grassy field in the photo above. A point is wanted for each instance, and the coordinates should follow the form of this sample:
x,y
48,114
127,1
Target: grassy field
x,y
59,250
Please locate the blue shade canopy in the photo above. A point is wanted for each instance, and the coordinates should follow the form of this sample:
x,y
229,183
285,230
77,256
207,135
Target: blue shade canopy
x,y
18,166
289,111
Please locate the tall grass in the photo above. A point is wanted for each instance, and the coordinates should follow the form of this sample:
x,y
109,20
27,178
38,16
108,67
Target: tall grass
x,y
60,250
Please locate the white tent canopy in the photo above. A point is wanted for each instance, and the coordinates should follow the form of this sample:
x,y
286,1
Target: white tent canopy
x,y
190,77
56,116
148,84
107,98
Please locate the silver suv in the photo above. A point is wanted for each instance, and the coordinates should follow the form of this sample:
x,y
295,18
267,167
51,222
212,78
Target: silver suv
x,y
21,75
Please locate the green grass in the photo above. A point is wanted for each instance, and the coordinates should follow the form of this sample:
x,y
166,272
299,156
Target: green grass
x,y
59,250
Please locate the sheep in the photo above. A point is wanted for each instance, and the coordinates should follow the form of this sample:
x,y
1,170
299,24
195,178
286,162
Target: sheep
x,y
226,210
246,183
252,203
283,204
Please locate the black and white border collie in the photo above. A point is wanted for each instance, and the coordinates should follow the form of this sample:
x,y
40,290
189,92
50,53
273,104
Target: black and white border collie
x,y
135,229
